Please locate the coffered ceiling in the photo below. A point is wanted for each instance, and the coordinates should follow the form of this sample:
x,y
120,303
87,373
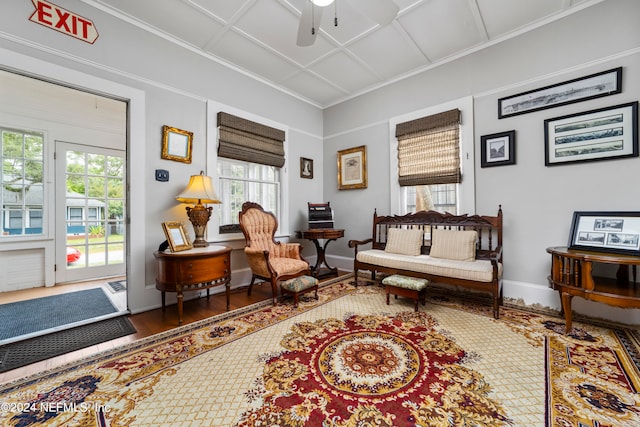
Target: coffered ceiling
x,y
258,37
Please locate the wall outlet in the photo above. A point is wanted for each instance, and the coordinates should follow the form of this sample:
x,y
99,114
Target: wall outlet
x,y
162,175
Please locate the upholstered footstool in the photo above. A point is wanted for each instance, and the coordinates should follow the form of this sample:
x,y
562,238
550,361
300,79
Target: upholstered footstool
x,y
405,286
299,285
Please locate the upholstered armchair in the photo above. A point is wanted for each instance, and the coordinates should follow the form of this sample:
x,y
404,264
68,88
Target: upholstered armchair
x,y
269,260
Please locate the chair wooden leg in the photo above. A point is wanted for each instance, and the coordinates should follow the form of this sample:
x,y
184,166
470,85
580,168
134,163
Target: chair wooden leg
x,y
253,279
274,290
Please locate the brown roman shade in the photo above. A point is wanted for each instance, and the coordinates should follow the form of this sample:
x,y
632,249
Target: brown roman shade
x,y
242,139
429,150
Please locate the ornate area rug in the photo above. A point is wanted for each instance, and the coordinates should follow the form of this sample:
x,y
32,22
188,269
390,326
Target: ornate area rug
x,y
348,360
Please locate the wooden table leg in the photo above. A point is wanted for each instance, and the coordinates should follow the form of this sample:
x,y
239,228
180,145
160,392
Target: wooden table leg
x,y
566,307
180,298
228,293
163,300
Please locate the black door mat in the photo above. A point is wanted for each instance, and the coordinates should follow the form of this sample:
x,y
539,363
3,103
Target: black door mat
x,y
22,353
118,285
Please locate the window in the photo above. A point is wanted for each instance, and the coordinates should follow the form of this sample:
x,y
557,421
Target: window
x,y
249,161
438,197
22,191
430,152
241,181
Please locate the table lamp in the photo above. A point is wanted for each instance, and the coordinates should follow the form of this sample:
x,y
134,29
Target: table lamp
x,y
199,190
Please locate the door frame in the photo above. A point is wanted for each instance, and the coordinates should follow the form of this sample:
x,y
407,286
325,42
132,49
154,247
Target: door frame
x,y
141,297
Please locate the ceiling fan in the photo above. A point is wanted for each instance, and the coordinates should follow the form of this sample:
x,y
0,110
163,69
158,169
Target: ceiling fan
x,y
380,11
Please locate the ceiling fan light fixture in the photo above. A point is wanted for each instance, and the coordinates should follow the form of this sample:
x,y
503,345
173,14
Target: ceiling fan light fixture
x,y
322,3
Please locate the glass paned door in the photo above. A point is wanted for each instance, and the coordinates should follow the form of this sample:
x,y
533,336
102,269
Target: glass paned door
x,y
90,212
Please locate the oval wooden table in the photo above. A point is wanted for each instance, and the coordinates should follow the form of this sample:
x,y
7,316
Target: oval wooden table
x,y
192,270
572,275
315,235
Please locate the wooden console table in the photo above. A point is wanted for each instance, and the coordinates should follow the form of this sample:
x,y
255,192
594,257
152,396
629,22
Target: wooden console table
x,y
571,275
315,234
192,270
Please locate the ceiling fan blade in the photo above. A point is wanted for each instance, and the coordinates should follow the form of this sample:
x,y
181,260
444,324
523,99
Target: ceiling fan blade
x,y
310,19
380,11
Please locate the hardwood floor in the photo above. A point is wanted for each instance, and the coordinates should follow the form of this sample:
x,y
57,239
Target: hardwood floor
x,y
152,322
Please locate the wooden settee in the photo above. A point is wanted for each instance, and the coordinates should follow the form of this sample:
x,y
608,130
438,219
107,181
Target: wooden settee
x,y
458,250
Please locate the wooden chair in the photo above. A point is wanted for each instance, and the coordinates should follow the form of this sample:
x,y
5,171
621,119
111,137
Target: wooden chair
x,y
269,260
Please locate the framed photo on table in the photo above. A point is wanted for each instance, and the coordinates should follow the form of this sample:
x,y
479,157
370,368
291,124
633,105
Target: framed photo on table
x,y
605,133
498,149
177,236
352,168
617,232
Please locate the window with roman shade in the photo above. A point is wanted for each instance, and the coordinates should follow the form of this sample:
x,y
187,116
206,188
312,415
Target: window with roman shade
x,y
245,140
249,167
429,150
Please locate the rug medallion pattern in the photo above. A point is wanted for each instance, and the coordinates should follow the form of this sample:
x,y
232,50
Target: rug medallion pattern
x,y
346,360
373,370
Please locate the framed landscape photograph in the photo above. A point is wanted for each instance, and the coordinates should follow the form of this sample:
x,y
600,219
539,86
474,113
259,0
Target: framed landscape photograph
x,y
498,149
606,133
589,87
352,168
176,235
617,232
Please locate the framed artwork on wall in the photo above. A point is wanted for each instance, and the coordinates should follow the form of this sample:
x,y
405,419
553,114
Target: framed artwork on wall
x,y
498,149
589,87
352,168
306,168
176,144
617,232
605,133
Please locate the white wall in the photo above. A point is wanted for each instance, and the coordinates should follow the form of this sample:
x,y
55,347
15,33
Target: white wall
x,y
537,201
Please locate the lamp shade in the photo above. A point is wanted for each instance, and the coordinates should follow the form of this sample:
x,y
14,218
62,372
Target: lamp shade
x,y
199,190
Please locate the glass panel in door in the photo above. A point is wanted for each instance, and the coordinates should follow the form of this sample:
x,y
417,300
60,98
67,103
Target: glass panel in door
x,y
92,212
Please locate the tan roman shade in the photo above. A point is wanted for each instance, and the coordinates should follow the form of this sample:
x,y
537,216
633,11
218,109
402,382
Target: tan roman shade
x,y
242,139
429,150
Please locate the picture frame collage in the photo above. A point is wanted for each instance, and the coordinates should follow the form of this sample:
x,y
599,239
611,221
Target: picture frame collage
x,y
600,134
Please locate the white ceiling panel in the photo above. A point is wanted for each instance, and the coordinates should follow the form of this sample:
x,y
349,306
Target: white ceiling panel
x,y
223,9
259,36
504,16
344,72
245,53
441,28
388,52
174,18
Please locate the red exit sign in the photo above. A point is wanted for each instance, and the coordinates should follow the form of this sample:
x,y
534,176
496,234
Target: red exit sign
x,y
59,19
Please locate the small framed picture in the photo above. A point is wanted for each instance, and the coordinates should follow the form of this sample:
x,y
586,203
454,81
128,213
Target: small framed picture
x,y
306,168
352,168
176,144
498,149
177,236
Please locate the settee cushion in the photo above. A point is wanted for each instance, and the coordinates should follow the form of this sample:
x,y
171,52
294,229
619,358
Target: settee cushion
x,y
453,244
478,270
404,241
